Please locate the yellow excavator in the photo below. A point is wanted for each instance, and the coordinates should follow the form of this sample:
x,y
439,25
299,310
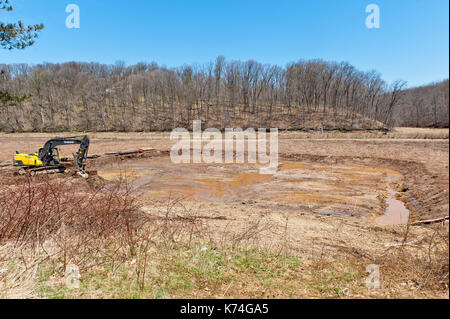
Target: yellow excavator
x,y
49,156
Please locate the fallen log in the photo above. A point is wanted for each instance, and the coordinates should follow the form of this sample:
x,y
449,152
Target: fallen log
x,y
5,164
120,153
430,221
93,156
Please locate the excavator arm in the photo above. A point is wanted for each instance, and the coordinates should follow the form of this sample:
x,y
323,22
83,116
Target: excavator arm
x,y
46,154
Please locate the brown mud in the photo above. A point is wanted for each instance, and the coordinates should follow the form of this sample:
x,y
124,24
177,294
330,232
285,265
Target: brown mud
x,y
423,165
360,190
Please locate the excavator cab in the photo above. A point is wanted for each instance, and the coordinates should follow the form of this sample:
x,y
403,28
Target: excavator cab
x,y
53,155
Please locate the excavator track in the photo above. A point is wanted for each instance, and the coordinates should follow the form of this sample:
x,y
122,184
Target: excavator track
x,y
62,168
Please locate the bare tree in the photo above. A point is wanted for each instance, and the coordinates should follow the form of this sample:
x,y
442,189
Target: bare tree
x,y
143,97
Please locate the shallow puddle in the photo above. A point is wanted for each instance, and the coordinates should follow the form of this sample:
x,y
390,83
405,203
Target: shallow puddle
x,y
289,166
115,174
219,188
396,211
324,189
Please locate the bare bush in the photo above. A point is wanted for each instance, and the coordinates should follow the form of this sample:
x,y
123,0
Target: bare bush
x,y
50,220
420,263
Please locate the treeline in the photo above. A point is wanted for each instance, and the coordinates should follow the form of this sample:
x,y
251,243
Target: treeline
x,y
425,106
303,95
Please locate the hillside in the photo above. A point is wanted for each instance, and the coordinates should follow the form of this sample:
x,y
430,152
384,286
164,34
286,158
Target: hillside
x,y
425,106
305,95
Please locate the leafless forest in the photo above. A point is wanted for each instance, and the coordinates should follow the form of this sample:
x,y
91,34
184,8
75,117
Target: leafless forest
x,y
425,106
306,95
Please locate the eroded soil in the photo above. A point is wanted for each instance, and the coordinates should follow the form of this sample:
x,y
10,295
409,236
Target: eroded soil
x,y
297,187
321,175
329,196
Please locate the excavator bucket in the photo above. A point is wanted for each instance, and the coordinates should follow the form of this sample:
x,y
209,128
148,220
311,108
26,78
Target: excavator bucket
x,y
81,167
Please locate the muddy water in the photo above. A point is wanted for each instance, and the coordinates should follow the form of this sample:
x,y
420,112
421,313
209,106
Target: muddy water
x,y
162,179
396,212
221,188
296,187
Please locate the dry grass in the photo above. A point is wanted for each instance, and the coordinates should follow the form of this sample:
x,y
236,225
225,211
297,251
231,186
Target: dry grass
x,y
424,133
47,224
419,263
53,222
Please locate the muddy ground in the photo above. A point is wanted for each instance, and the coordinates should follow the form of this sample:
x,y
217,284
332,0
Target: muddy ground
x,y
331,194
335,175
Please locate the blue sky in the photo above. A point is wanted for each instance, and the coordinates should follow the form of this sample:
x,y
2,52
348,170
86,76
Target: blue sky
x,y
411,44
